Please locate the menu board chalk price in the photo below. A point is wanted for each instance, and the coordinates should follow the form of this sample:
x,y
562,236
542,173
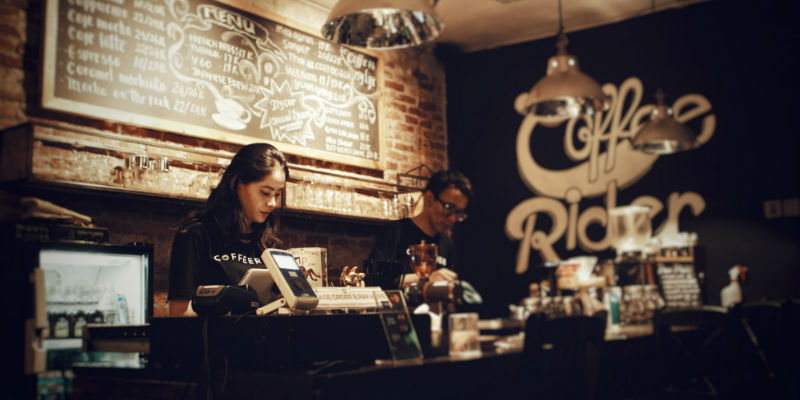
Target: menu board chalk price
x,y
202,68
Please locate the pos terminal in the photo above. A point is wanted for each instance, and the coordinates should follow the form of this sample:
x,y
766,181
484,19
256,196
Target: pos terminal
x,y
297,292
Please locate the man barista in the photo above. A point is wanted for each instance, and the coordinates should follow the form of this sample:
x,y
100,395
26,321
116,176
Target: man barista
x,y
445,200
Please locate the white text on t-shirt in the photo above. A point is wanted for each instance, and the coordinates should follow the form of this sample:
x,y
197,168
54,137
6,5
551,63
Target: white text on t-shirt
x,y
237,257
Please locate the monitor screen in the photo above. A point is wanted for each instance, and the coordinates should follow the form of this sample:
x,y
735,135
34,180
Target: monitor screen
x,y
285,261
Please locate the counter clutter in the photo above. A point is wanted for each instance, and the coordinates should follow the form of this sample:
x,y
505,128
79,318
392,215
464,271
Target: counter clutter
x,y
318,354
610,316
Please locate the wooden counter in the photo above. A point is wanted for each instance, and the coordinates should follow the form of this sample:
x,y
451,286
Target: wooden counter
x,y
487,376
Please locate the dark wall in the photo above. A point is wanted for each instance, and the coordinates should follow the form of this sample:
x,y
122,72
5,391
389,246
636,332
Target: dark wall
x,y
741,55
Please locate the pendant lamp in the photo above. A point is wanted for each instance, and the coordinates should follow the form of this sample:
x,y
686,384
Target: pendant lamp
x,y
383,24
565,92
662,134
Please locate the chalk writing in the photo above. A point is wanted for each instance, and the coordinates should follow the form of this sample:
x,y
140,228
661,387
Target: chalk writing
x,y
186,64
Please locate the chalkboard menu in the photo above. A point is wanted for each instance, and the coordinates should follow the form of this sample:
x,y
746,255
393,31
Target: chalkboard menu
x,y
205,69
679,285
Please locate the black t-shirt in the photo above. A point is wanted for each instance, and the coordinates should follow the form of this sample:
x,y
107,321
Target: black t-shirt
x,y
389,256
203,256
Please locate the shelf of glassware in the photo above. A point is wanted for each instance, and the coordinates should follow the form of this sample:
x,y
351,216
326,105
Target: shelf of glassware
x,y
340,197
83,158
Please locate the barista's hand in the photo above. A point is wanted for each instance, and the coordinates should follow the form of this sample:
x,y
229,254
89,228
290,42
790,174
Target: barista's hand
x,y
443,274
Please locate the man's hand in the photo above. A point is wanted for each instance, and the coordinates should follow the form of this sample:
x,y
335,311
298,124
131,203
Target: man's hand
x,y
443,274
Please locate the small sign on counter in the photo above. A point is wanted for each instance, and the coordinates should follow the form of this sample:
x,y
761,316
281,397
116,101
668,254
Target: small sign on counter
x,y
351,298
400,333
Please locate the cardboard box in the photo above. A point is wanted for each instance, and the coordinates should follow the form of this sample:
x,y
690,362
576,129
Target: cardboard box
x,y
314,263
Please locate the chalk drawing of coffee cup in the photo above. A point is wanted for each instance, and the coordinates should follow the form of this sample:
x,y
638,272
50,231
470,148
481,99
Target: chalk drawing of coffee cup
x,y
230,114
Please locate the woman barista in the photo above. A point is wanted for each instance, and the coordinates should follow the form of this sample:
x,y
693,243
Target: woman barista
x,y
218,244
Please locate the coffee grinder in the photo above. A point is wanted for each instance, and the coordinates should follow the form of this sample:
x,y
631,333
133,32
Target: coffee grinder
x,y
630,231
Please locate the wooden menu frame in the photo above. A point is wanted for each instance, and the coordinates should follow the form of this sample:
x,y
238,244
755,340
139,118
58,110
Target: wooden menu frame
x,y
156,64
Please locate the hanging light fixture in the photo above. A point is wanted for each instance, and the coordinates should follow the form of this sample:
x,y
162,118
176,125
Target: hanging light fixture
x,y
662,134
565,92
383,24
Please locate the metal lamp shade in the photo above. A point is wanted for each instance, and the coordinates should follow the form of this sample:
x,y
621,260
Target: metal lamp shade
x,y
382,24
662,134
565,92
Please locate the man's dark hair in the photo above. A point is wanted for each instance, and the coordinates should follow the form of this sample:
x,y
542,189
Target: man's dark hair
x,y
444,179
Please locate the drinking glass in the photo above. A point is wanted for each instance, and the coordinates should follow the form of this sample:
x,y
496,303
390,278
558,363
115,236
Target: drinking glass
x,y
308,192
464,334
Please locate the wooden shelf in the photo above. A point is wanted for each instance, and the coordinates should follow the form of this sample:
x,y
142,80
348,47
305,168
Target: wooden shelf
x,y
39,157
326,216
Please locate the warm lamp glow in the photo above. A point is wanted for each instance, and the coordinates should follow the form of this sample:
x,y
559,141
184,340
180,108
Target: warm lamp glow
x,y
565,92
382,24
663,134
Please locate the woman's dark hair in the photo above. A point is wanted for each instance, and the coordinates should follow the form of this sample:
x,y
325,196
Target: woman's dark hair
x,y
251,163
444,179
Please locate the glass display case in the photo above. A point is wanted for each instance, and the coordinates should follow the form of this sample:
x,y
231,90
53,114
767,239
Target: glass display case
x,y
60,286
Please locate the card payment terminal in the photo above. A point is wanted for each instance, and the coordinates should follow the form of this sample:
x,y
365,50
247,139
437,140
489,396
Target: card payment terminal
x,y
290,279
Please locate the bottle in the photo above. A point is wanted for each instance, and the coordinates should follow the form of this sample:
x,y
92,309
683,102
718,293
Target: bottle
x,y
597,305
396,212
612,300
61,329
95,317
108,306
78,324
122,309
586,302
533,290
732,294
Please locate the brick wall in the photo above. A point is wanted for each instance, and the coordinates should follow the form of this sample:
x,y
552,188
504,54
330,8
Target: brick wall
x,y
13,24
413,99
414,131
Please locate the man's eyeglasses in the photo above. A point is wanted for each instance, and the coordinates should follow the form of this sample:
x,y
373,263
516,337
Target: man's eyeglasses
x,y
450,209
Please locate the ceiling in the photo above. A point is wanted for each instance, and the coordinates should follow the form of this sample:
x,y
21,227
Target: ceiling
x,y
475,25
